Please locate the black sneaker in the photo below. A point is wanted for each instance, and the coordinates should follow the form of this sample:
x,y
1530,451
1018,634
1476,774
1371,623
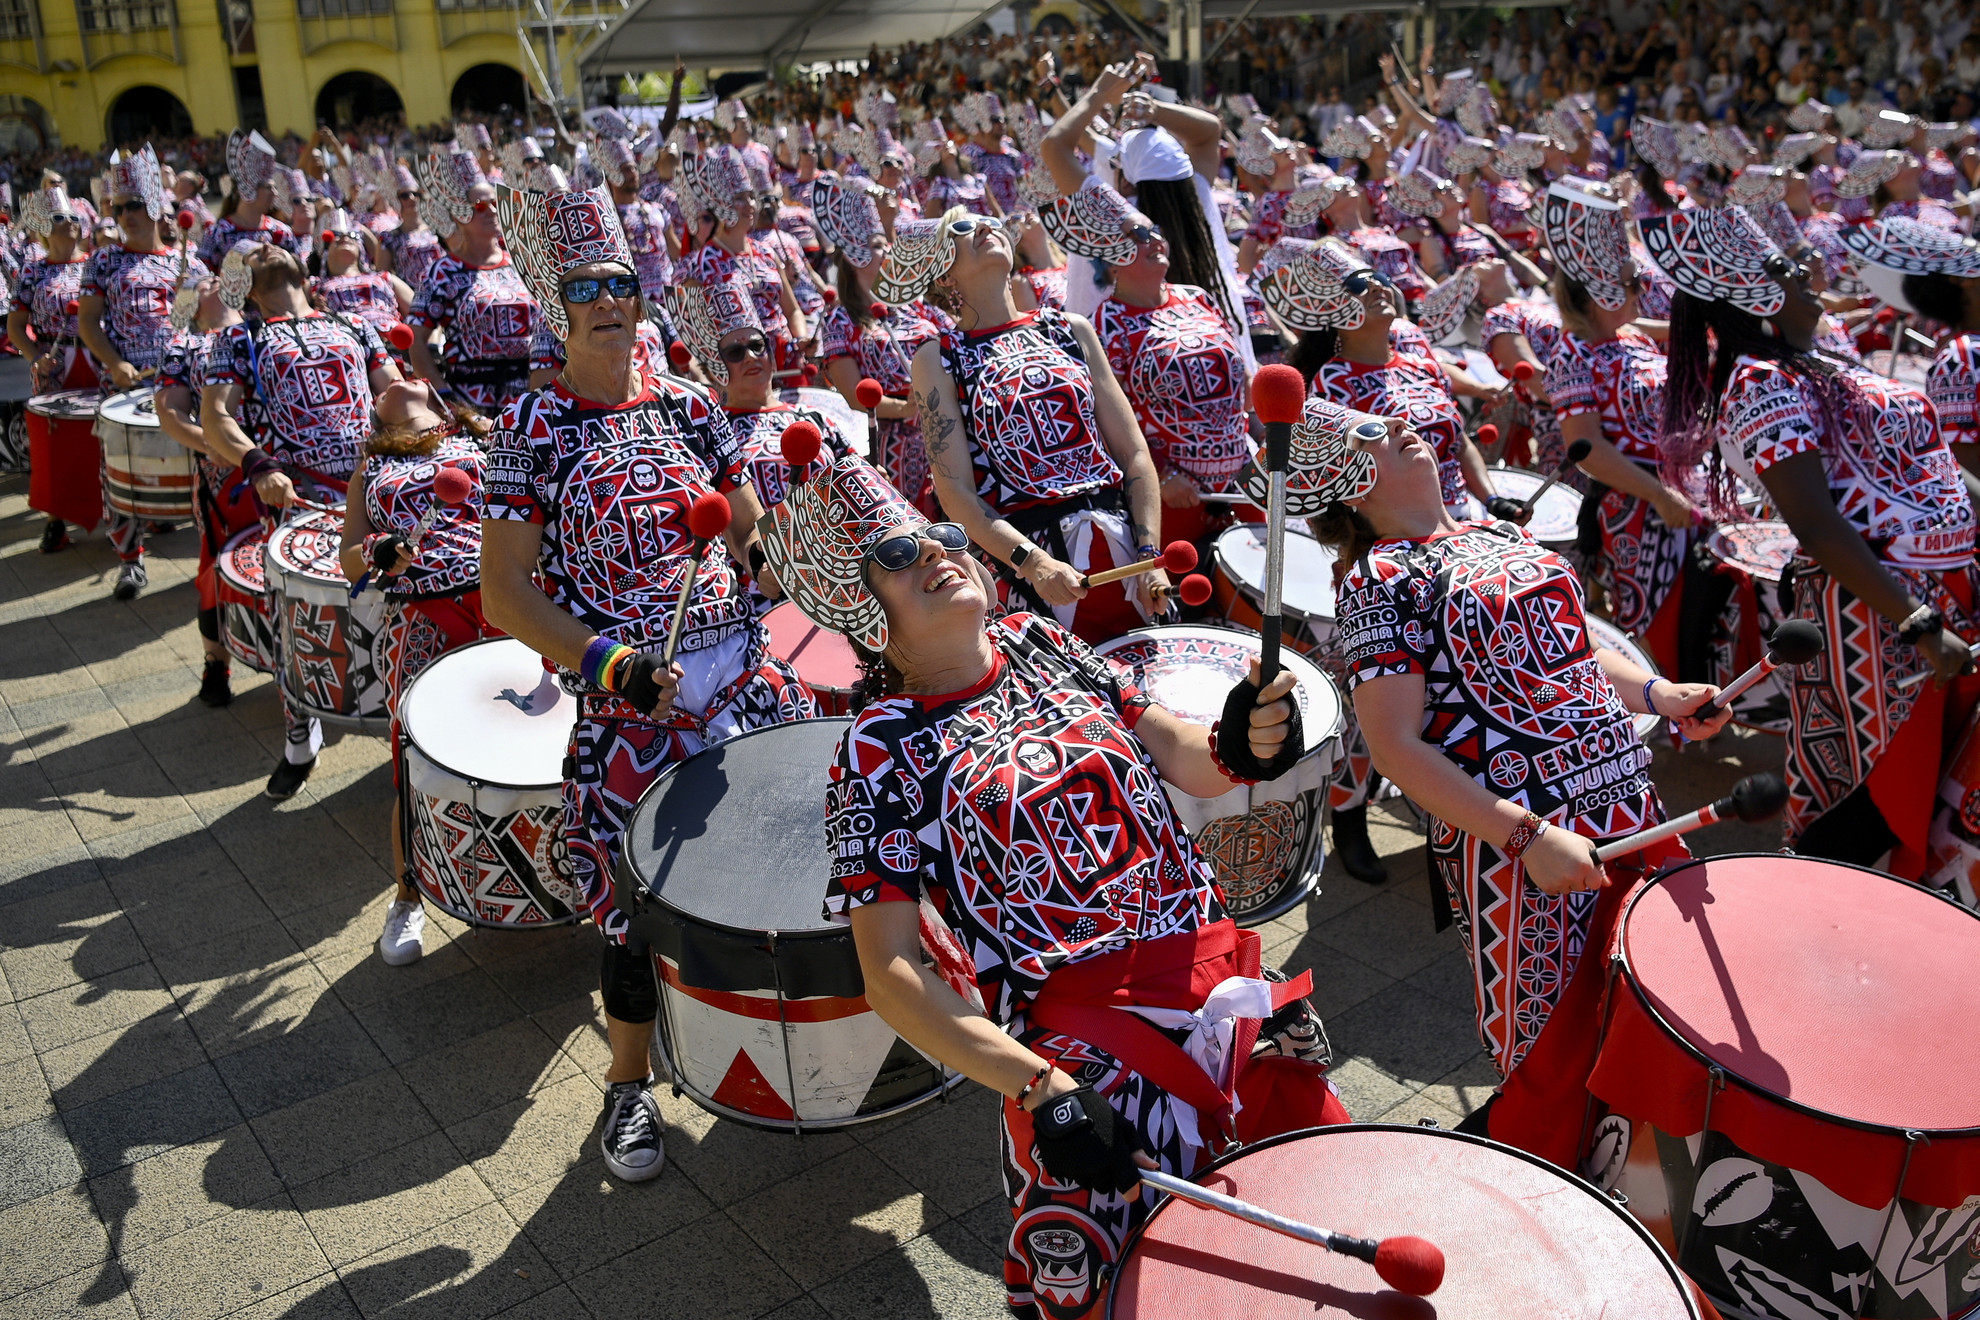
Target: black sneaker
x,y
54,537
213,688
1358,856
131,579
631,1139
288,777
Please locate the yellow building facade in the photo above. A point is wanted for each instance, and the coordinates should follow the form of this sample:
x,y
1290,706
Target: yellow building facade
x,y
71,63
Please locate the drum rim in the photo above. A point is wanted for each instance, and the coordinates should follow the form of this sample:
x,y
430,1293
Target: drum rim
x,y
1341,698
625,880
120,396
1630,979
406,735
1293,530
272,566
1678,1278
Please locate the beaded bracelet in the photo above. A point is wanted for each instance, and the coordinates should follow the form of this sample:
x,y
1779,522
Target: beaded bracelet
x,y
1025,1091
1530,827
1218,761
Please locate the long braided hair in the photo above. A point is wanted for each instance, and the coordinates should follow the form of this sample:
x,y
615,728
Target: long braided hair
x,y
1176,210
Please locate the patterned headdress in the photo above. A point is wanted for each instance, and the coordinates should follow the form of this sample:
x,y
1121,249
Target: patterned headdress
x,y
1310,199
1887,128
291,186
1520,153
847,216
1795,148
1726,146
448,178
1868,172
1717,255
1811,116
251,160
1478,112
1088,223
974,113
404,180
235,277
1419,192
1888,250
922,253
1758,185
930,138
1940,136
1321,467
41,208
1452,90
707,312
876,108
717,182
1301,281
1589,242
135,174
471,136
1442,309
1778,224
726,113
1354,137
817,541
1563,125
1468,155
551,234
1259,146
1657,143
614,157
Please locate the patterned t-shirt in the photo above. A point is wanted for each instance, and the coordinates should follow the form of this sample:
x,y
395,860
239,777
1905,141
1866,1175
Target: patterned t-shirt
x,y
1268,221
1620,381
1536,318
486,311
137,289
1513,693
611,486
646,237
413,254
1898,484
1026,398
1414,388
1183,370
183,366
308,381
1953,383
398,491
756,266
1024,809
223,233
1048,285
356,293
45,289
1001,171
760,435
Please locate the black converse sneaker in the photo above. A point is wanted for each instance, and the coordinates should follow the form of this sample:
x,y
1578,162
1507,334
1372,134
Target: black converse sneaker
x,y
131,579
288,777
631,1140
213,686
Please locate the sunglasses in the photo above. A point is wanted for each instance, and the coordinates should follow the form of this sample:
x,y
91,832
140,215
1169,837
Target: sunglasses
x,y
1143,235
1356,282
899,552
754,346
134,204
487,204
970,223
587,290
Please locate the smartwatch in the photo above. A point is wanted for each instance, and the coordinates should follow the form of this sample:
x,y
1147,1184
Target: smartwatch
x,y
1022,553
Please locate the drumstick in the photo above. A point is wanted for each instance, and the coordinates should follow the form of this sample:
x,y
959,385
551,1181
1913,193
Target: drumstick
x,y
1176,557
884,314
1795,642
708,518
1906,684
1278,394
1577,451
1753,799
450,486
1407,1264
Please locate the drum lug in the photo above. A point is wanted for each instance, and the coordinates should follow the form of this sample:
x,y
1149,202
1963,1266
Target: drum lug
x,y
1617,1195
1429,1123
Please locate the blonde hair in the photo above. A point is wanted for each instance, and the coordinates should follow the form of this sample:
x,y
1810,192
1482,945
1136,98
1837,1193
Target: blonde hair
x,y
942,291
400,440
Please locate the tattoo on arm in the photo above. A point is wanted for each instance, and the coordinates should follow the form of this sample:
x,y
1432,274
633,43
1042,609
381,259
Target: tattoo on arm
x,y
937,429
1141,533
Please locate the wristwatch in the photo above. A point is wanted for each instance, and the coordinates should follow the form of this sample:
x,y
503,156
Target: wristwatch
x,y
1022,553
1146,552
1921,622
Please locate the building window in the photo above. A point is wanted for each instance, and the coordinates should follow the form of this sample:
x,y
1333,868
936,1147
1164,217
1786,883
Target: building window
x,y
342,8
17,20
124,15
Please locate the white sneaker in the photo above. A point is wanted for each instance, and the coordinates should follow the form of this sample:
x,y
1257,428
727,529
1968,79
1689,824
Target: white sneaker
x,y
405,931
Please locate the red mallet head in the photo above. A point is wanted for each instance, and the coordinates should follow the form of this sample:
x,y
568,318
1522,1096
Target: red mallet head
x,y
708,516
879,310
677,353
831,294
1410,1265
1886,315
1523,371
399,335
801,443
869,393
1488,434
453,485
1278,393
1178,557
1194,589
329,237
72,306
185,220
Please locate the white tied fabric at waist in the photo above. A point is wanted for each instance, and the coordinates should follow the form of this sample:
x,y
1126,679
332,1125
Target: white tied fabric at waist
x,y
1212,1029
1079,529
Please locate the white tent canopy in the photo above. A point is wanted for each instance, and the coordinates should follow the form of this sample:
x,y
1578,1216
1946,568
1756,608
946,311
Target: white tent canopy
x,y
761,34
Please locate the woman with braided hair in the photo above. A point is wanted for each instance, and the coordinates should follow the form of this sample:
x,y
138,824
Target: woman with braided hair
x,y
1884,518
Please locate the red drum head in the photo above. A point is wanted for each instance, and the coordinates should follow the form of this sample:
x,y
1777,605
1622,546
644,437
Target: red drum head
x,y
823,659
1763,549
1521,1240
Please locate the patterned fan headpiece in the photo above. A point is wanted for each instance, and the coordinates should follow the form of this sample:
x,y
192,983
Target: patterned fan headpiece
x,y
1088,223
717,182
1589,242
1258,148
471,136
1354,137
1478,112
922,253
1887,128
550,234
291,187
1717,255
727,112
235,276
251,160
707,312
447,178
1656,142
848,217
1442,309
1868,172
41,208
135,174
1302,282
1811,116
1321,466
1309,200
1468,155
1795,148
817,541
1451,91
1758,185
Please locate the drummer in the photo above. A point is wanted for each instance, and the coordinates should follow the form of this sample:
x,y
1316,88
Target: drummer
x,y
1001,772
251,165
727,248
432,588
585,544
1943,284
413,246
43,293
310,379
474,294
1483,700
125,317
347,286
1034,448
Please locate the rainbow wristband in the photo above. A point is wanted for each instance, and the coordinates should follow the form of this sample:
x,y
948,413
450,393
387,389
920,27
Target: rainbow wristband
x,y
600,655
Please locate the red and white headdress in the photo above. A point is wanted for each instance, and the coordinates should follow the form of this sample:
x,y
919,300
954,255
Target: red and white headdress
x,y
706,313
1779,225
1811,116
448,177
818,539
1888,250
551,234
1088,223
135,174
1309,200
1758,185
975,112
41,208
1321,466
1795,148
1520,153
1259,146
1478,112
848,217
717,183
1355,137
471,136
1869,172
291,187
1726,146
930,139
1301,281
1419,192
1657,142
251,160
235,277
922,253
1442,310
727,112
1717,255
1887,128
1452,88
1589,242
1468,155
403,179
1939,136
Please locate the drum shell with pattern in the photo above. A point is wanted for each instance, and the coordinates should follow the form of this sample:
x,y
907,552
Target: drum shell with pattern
x,y
1306,600
247,612
1264,841
146,473
763,1014
1521,1239
66,461
1788,991
332,646
484,731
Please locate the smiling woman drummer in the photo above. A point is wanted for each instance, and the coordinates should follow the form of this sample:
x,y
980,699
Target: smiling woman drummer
x,y
1008,783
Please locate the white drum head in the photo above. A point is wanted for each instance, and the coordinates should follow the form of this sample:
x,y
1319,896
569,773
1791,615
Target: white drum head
x,y
1603,633
1554,517
131,408
489,712
1309,587
1189,670
851,421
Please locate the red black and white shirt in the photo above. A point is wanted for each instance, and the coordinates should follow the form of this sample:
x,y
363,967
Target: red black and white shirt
x,y
1268,220
1183,370
759,270
1953,384
939,192
358,293
1026,398
308,381
413,254
183,365
223,233
1464,248
760,436
1619,381
803,287
1411,387
489,318
1001,171
611,484
1048,285
44,289
137,289
1897,484
398,491
1024,809
646,238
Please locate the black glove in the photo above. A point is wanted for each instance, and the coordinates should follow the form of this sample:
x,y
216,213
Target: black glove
x,y
1507,510
639,683
1082,1141
385,551
1234,736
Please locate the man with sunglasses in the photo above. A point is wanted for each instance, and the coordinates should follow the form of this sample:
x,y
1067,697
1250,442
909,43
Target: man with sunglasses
x,y
124,315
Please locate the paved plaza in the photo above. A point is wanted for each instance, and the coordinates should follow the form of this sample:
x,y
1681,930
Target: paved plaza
x,y
216,1100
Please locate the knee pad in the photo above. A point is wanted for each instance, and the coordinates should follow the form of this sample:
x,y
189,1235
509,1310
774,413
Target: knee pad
x,y
625,977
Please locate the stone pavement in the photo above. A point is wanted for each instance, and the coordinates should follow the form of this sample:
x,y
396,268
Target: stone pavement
x,y
215,1100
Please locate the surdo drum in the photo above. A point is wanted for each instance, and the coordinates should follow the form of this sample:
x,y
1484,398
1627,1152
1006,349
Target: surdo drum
x,y
64,468
247,617
1794,1103
1555,516
483,733
1237,584
763,1014
1521,1240
823,659
1264,841
332,646
146,473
